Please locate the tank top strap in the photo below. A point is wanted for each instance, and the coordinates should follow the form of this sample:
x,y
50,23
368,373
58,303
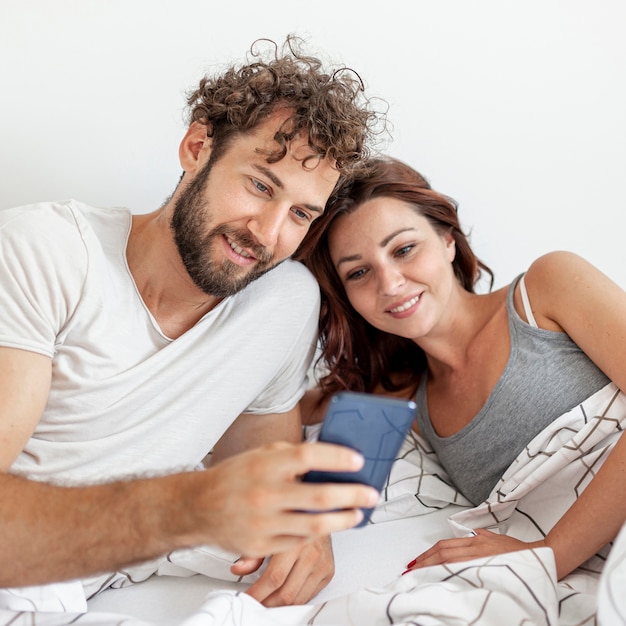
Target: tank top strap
x,y
526,302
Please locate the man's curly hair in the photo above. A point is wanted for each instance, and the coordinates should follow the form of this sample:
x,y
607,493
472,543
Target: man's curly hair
x,y
328,105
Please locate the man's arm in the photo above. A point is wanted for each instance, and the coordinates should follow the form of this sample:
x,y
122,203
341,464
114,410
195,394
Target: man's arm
x,y
248,504
50,533
24,387
251,431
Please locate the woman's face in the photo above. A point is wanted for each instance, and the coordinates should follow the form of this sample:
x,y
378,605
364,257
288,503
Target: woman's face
x,y
395,267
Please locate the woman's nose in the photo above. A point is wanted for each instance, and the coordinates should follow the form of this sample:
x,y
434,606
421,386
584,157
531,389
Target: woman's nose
x,y
390,281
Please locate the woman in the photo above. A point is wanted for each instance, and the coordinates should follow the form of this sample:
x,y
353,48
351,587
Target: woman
x,y
400,315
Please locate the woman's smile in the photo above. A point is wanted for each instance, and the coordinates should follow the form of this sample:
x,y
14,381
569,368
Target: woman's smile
x,y
404,309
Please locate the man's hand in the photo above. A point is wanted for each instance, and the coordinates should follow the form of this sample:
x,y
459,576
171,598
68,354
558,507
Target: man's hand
x,y
291,577
255,504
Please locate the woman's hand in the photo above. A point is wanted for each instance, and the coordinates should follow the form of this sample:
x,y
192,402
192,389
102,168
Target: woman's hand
x,y
484,543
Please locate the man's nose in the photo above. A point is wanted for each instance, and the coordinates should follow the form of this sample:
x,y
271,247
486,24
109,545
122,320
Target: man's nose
x,y
266,225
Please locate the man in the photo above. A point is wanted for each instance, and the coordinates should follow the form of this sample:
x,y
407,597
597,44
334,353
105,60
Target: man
x,y
132,345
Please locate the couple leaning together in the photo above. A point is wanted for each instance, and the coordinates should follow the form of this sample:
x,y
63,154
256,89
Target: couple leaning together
x,y
133,345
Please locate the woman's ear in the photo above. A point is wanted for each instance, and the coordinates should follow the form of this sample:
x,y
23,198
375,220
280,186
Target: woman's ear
x,y
450,246
195,148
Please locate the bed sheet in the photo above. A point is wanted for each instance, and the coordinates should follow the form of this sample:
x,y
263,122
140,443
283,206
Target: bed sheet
x,y
368,557
417,506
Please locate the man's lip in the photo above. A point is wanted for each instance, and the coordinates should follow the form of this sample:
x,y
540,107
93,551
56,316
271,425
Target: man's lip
x,y
244,259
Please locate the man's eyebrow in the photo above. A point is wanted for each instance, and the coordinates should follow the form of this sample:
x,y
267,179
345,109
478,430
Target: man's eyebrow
x,y
267,172
382,244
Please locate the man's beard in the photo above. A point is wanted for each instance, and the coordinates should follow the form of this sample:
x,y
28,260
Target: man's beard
x,y
195,245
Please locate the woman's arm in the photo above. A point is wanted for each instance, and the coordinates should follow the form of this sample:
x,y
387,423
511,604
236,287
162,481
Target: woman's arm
x,y
568,294
566,290
595,518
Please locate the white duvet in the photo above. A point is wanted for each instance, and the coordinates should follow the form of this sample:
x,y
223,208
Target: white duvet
x,y
514,588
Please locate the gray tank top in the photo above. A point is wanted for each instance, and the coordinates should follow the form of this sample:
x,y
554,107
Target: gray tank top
x,y
546,375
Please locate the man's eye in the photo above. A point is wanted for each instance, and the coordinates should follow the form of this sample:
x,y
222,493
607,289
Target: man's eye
x,y
300,214
260,186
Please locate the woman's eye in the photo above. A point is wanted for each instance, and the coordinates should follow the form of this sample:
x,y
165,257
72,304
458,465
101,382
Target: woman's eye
x,y
355,275
404,250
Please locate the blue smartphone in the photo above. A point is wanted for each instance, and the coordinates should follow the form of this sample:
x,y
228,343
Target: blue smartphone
x,y
373,425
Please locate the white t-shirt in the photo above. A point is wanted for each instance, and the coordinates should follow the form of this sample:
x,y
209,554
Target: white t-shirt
x,y
125,399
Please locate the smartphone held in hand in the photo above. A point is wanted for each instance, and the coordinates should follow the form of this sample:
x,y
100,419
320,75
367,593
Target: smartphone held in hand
x,y
372,424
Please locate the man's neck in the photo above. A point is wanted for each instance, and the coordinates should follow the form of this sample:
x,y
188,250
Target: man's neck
x,y
168,292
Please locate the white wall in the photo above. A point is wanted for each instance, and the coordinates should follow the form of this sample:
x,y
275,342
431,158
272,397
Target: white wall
x,y
515,109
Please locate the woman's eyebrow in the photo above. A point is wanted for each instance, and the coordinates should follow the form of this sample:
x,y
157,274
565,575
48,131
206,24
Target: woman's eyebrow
x,y
387,239
347,259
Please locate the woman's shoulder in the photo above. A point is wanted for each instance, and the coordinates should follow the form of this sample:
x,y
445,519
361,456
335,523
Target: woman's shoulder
x,y
552,265
550,282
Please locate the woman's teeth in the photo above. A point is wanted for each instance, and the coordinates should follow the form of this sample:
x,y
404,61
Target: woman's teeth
x,y
405,306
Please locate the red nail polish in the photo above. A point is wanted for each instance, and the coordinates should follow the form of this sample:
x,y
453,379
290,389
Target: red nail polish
x,y
407,571
412,563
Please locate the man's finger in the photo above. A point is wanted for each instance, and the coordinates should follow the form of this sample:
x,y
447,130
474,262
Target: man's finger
x,y
246,565
296,460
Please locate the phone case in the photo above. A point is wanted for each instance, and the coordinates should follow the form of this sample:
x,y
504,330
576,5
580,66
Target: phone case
x,y
372,424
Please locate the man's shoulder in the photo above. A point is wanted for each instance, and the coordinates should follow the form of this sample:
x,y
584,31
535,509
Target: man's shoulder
x,y
290,277
287,291
55,214
59,223
293,269
36,212
41,226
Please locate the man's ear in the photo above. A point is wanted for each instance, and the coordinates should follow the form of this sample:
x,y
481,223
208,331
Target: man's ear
x,y
195,148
